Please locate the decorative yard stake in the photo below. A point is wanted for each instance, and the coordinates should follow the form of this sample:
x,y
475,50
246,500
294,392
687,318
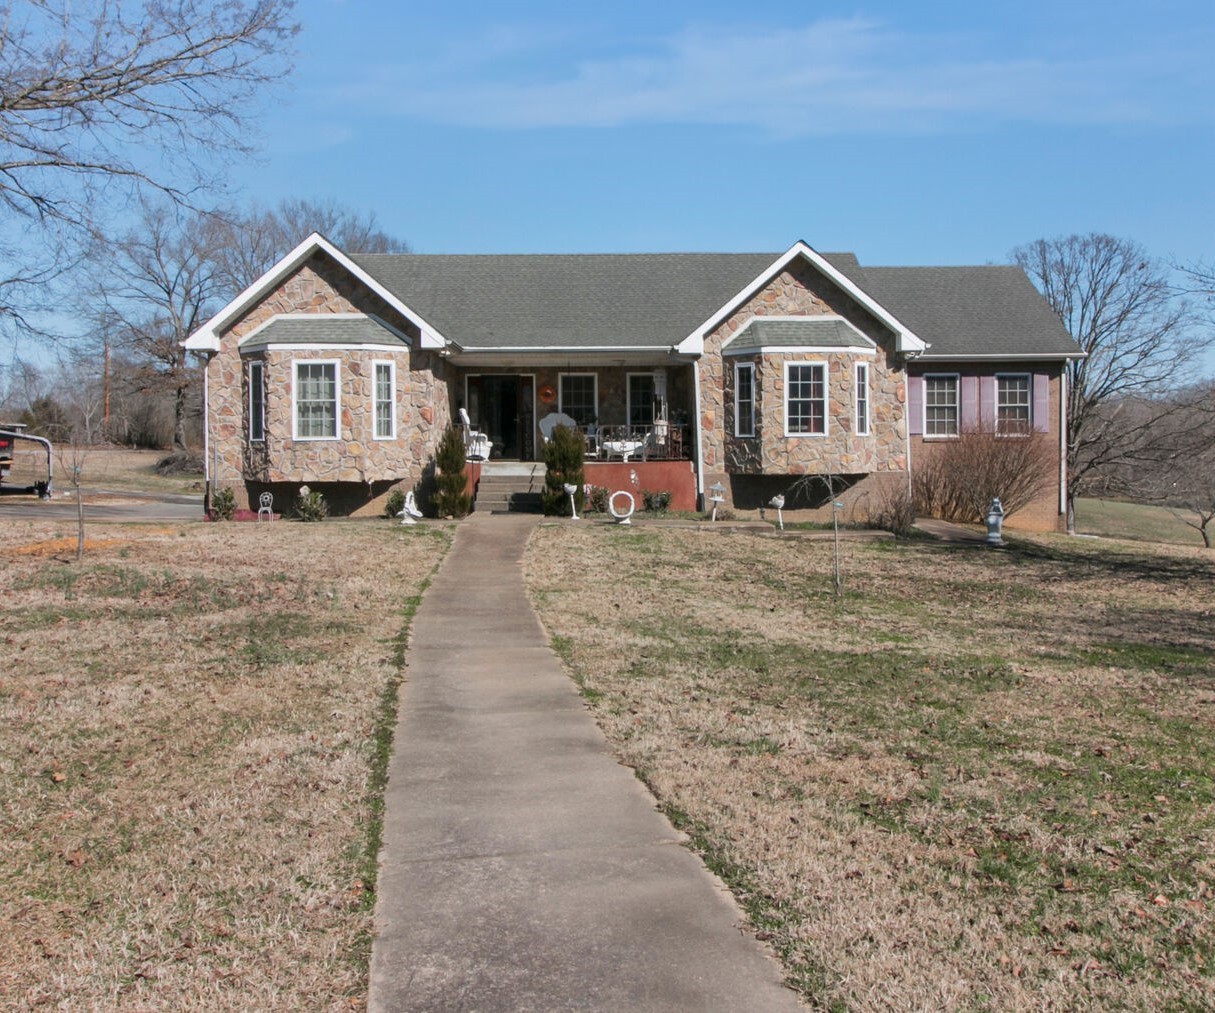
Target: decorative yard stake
x,y
717,494
778,501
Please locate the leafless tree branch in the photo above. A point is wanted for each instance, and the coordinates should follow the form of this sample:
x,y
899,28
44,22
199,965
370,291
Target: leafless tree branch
x,y
1136,334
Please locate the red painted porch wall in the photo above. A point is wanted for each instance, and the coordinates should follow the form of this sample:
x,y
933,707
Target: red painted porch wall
x,y
676,477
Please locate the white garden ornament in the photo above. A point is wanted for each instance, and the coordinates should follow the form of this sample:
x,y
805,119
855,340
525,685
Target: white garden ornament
x,y
622,516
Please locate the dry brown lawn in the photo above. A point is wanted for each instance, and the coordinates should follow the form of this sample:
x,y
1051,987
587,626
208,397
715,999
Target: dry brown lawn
x,y
188,729
977,779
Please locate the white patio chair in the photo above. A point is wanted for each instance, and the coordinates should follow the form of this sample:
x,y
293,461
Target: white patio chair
x,y
477,446
265,506
551,422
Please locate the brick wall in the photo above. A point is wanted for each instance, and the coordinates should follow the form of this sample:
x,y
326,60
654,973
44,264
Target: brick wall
x,y
1043,513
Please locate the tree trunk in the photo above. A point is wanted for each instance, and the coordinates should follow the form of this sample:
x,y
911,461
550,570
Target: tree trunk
x,y
179,418
1071,513
79,520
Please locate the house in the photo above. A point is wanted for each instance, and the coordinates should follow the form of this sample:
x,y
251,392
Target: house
x,y
685,371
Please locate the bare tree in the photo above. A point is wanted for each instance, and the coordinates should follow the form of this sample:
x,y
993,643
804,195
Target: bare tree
x,y
254,241
1118,304
1200,282
156,286
1179,470
97,100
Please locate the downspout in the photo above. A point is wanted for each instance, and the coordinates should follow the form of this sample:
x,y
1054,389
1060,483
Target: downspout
x,y
1063,382
700,457
907,359
206,435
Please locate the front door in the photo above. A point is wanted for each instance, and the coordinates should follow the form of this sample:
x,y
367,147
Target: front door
x,y
501,407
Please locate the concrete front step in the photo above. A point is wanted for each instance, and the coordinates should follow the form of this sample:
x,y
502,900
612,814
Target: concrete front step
x,y
510,487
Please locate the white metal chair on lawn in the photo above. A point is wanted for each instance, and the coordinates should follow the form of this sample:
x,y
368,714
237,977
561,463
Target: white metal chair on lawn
x,y
265,506
477,446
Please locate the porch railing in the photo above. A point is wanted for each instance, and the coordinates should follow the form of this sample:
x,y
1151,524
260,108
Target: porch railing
x,y
662,441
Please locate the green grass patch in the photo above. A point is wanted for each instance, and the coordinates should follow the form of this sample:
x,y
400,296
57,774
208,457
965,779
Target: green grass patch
x,y
1137,521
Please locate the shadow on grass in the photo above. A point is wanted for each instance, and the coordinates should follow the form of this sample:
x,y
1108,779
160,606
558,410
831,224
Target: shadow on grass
x,y
1084,559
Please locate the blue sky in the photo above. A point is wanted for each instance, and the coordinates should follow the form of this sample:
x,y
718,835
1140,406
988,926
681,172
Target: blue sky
x,y
907,133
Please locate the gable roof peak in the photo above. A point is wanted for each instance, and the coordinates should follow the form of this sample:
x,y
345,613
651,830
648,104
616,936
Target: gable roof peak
x,y
905,340
206,338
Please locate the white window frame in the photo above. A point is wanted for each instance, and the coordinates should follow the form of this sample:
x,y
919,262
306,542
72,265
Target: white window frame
x,y
561,378
957,406
1028,405
257,396
826,377
860,375
337,399
739,367
375,399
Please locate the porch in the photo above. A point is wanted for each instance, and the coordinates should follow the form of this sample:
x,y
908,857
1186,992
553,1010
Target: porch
x,y
627,412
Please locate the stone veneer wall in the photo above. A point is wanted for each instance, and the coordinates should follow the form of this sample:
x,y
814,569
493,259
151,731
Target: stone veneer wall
x,y
321,287
801,291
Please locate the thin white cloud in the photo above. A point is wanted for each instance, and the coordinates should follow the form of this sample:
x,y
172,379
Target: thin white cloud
x,y
831,77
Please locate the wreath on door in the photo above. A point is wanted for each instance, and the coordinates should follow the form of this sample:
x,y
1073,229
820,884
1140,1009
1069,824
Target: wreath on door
x,y
548,393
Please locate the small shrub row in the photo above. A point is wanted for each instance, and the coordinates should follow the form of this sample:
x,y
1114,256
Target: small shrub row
x,y
655,502
310,506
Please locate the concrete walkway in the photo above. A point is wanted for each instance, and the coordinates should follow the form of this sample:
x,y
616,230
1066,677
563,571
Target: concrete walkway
x,y
523,868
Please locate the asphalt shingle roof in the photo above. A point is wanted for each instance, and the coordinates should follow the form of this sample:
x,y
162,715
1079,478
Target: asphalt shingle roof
x,y
818,332
655,300
323,329
966,311
558,301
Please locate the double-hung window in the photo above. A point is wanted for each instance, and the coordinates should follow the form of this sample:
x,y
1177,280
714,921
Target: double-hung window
x,y
578,397
805,398
744,399
941,404
257,402
384,400
316,400
862,399
1013,404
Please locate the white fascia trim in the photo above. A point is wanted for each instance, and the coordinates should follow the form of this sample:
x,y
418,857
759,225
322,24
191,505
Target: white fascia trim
x,y
905,341
865,341
1005,357
268,346
801,350
561,349
206,338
